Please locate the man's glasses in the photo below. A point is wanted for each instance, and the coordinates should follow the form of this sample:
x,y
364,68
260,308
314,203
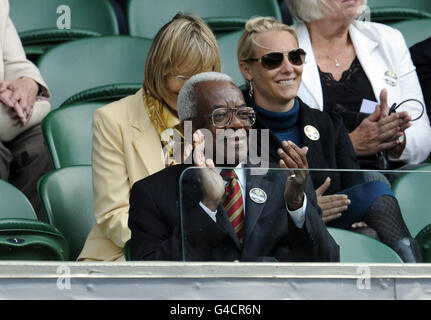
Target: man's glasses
x,y
273,60
222,117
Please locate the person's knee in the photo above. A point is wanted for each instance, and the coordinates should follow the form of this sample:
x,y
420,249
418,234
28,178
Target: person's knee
x,y
5,161
29,149
376,176
367,231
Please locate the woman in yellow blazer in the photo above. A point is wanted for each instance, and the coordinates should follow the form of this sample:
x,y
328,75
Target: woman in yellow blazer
x,y
127,144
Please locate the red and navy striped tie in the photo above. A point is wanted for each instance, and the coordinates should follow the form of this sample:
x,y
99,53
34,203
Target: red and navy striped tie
x,y
233,202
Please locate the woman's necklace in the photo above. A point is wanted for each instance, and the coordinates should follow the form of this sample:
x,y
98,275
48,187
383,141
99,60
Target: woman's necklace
x,y
337,63
336,60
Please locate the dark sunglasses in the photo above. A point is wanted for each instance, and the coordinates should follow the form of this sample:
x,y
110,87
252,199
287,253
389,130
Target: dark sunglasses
x,y
273,60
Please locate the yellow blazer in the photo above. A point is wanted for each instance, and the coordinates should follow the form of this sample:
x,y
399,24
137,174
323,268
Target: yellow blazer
x,y
126,148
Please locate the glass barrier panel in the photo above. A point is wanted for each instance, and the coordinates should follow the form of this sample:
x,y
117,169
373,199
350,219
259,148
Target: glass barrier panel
x,y
286,215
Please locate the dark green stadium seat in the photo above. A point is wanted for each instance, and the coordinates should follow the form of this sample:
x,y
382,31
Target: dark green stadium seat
x,y
84,64
126,250
357,248
412,189
109,92
14,204
26,239
424,240
22,236
146,17
67,196
228,44
415,30
36,22
423,5
392,11
390,16
68,134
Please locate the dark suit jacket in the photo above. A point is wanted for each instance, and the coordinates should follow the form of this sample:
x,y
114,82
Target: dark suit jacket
x,y
333,149
269,235
421,56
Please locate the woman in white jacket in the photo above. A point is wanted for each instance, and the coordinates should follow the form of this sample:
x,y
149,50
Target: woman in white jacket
x,y
349,65
24,157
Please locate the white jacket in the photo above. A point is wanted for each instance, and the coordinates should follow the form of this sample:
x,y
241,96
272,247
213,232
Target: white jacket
x,y
13,62
379,49
14,65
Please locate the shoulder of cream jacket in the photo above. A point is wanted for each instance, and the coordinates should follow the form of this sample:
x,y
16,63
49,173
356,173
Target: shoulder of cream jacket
x,y
14,65
386,60
13,62
126,148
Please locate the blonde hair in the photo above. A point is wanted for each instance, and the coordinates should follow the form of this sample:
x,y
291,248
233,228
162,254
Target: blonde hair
x,y
258,25
309,10
185,44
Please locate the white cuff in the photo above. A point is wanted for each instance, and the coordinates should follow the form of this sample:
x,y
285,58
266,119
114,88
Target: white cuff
x,y
212,214
298,215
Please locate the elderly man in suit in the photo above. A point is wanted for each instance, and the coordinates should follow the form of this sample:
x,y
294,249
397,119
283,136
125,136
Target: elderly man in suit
x,y
23,104
227,214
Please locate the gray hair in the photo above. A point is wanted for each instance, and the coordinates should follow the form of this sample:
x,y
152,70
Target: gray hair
x,y
309,10
187,102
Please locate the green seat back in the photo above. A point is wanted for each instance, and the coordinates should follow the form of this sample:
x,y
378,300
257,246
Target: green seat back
x,y
228,44
109,92
412,189
126,250
27,239
392,11
40,26
13,203
75,66
67,196
68,134
424,240
415,30
22,236
424,5
146,17
390,16
41,15
357,248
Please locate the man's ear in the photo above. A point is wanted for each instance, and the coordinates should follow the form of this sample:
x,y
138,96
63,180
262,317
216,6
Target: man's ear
x,y
245,70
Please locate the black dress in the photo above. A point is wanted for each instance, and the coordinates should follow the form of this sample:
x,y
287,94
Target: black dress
x,y
345,98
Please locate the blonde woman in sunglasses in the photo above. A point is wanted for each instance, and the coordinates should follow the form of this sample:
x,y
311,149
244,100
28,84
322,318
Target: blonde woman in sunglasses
x,y
272,64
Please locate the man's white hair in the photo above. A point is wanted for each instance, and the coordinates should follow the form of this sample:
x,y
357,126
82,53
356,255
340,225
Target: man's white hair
x,y
187,102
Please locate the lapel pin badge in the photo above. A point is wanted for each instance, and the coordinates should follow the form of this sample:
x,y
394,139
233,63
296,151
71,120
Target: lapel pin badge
x,y
258,195
312,133
391,78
